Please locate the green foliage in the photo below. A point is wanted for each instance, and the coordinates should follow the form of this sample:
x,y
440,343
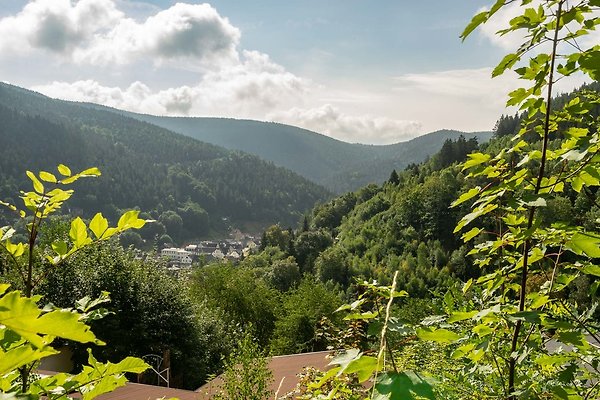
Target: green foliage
x,y
151,312
517,332
339,166
246,376
149,168
27,331
301,311
245,299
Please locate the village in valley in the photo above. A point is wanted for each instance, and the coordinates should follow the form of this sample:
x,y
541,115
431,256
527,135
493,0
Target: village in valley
x,y
234,248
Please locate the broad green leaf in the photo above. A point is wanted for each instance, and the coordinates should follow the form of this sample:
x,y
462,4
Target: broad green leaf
x,y
479,211
78,232
99,225
22,355
364,315
461,316
482,330
90,172
475,159
16,250
585,243
406,385
107,377
4,287
553,359
574,338
590,63
363,367
467,196
37,185
60,248
437,335
64,170
591,270
471,234
507,62
475,22
22,316
130,220
538,300
517,96
48,177
528,316
6,232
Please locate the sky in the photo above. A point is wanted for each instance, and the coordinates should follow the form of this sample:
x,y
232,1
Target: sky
x,y
375,72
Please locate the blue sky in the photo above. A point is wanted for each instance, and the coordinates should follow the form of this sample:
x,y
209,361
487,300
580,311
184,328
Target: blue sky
x,y
361,71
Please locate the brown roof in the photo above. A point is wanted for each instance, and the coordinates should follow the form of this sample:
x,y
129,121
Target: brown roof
x,y
285,372
137,391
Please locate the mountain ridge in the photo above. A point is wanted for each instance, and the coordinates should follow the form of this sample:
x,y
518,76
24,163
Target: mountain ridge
x,y
184,183
317,157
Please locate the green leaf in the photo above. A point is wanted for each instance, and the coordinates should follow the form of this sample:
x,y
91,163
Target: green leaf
x,y
467,196
517,96
471,234
107,377
527,316
475,159
461,316
507,62
590,63
37,185
48,177
22,316
363,367
585,243
20,356
98,225
78,232
475,22
90,172
405,385
591,270
64,170
361,316
437,335
16,250
130,220
60,248
6,232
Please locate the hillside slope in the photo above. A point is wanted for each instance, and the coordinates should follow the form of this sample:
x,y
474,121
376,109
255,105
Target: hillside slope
x,y
338,165
189,186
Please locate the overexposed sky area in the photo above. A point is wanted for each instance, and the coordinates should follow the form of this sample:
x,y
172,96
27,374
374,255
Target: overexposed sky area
x,y
369,72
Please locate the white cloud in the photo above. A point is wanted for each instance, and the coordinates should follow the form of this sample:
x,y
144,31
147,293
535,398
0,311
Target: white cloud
x,y
511,41
95,32
185,31
474,85
57,26
329,120
249,89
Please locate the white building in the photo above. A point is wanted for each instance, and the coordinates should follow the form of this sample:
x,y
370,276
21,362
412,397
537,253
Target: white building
x,y
177,256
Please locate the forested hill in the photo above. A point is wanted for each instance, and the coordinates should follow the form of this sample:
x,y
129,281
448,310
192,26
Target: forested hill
x,y
190,187
337,165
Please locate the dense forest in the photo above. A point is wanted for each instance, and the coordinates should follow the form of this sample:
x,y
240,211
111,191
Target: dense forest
x,y
337,165
191,188
286,294
471,275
